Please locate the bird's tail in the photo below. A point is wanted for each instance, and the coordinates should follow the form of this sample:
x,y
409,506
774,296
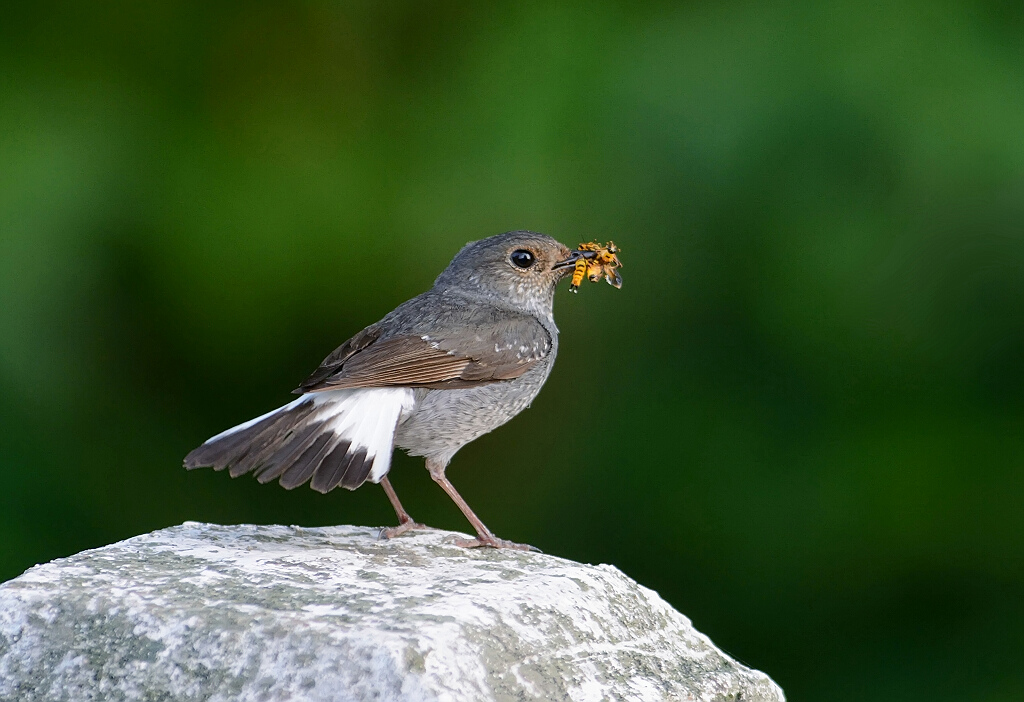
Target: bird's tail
x,y
335,437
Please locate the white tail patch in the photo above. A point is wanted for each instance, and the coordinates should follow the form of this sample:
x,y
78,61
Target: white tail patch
x,y
367,417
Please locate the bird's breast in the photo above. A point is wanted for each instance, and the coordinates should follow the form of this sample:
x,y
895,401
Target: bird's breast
x,y
443,421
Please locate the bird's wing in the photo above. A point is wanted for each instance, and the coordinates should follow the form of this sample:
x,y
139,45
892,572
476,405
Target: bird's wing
x,y
486,351
337,358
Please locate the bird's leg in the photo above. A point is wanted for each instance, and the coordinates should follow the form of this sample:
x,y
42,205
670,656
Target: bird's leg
x,y
405,522
484,537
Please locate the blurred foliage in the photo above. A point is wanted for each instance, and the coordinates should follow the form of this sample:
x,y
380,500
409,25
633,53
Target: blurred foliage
x,y
808,430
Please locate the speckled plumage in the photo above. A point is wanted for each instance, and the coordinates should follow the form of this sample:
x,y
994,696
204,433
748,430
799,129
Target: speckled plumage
x,y
445,420
439,371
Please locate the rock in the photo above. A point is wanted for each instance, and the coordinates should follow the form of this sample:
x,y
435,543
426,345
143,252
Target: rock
x,y
207,612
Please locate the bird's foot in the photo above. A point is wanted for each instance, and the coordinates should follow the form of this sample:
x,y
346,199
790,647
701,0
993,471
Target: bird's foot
x,y
392,532
494,542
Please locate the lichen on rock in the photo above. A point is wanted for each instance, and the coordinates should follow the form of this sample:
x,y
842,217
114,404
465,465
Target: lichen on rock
x,y
208,612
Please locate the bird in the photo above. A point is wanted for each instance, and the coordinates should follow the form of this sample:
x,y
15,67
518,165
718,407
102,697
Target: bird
x,y
439,371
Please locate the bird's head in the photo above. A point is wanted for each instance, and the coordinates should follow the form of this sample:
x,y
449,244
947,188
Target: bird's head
x,y
519,268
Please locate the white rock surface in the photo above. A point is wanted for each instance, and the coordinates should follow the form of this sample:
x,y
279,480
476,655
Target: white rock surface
x,y
218,613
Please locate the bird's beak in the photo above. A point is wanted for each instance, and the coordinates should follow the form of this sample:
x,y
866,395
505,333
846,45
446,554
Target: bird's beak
x,y
572,258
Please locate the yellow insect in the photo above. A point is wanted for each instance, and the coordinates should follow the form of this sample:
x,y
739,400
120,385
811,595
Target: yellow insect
x,y
595,261
582,265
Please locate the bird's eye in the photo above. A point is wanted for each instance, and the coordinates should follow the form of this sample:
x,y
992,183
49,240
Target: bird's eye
x,y
522,258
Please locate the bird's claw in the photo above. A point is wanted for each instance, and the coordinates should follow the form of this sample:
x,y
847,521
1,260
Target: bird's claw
x,y
392,532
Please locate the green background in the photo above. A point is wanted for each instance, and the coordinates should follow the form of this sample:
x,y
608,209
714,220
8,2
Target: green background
x,y
802,418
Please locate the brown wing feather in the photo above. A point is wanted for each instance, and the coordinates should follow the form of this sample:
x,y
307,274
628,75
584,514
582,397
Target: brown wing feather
x,y
410,361
333,362
480,354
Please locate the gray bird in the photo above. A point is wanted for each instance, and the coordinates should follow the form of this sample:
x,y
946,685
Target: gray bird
x,y
440,370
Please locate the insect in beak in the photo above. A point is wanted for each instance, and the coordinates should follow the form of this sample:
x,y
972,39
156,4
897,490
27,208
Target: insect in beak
x,y
594,261
574,256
